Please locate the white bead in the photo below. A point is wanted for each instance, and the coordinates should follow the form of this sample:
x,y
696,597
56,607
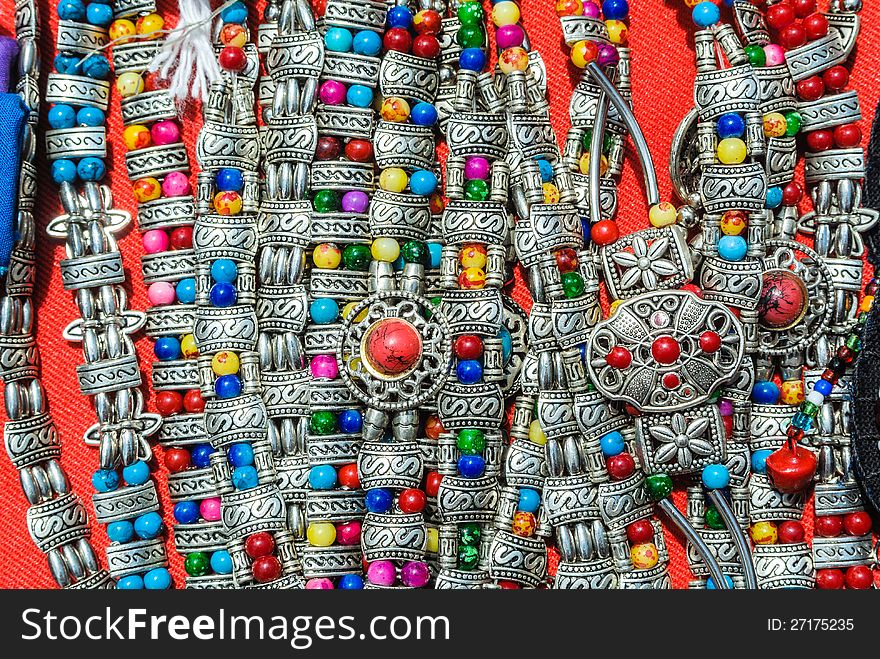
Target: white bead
x,y
815,397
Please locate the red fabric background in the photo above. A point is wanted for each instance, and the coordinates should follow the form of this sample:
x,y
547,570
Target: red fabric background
x,y
663,71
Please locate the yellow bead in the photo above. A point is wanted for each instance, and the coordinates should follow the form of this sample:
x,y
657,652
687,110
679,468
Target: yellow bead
x,y
188,346
473,256
513,59
774,125
393,179
662,214
225,363
644,556
733,223
136,137
129,84
121,28
432,546
394,109
867,303
763,533
617,31
327,256
149,24
551,193
613,307
348,308
584,164
583,52
731,151
321,534
385,249
505,13
228,202
793,392
536,433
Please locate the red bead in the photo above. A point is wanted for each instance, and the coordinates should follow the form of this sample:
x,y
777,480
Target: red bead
x,y
328,148
168,402
671,380
566,259
665,349
193,402
727,422
803,8
836,78
434,427
829,579
426,45
397,38
820,140
266,569
604,232
427,21
811,89
259,544
780,16
348,476
359,150
392,346
509,585
857,523
468,346
693,288
829,526
412,500
710,341
790,532
182,238
177,459
640,532
232,58
792,36
847,136
792,194
791,469
619,357
859,577
816,26
432,483
620,466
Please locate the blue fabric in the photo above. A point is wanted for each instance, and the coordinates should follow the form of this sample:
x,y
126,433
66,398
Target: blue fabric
x,y
13,114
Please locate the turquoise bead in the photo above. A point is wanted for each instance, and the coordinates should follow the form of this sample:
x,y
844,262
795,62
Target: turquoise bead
x,y
732,248
244,478
221,562
506,344
105,480
759,461
235,13
136,473
148,526
338,40
157,579
612,444
529,500
131,582
121,531
716,477
322,477
435,252
324,310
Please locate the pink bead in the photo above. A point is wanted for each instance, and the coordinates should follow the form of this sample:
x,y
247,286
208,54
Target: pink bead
x,y
176,184
382,573
774,54
210,509
324,366
348,534
476,168
165,132
415,574
155,241
591,10
161,292
319,584
509,36
725,407
332,92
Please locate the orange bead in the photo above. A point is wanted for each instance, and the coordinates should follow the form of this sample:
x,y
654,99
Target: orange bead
x,y
569,8
513,59
233,34
227,203
146,189
394,109
524,524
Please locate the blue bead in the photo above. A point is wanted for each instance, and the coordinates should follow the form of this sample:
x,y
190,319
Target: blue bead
x,y
473,59
235,13
67,64
506,344
359,96
546,170
157,579
131,582
716,476
63,171
166,348
186,512
98,13
324,310
227,386
137,473
105,480
350,421
378,500
774,197
221,562
471,466
435,251
802,421
765,392
398,264
96,67
469,371
400,16
529,500
706,14
71,10
367,42
759,461
423,114
615,10
244,478
186,290
224,271
223,294
732,248
148,526
710,584
121,531
241,454
351,582
730,125
322,477
338,40
87,116
823,387
612,444
61,116
230,180
422,182
91,169
200,454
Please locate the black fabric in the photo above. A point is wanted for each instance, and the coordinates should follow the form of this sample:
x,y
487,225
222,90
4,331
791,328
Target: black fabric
x,y
871,193
866,394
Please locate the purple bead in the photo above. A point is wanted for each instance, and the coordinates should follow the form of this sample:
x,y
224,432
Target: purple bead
x,y
415,574
476,168
332,92
509,36
382,573
725,407
607,55
355,201
591,10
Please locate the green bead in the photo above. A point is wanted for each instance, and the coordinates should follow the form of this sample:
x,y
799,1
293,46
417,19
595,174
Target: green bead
x,y
659,486
853,342
414,251
435,302
468,557
471,441
590,387
197,564
476,190
792,123
587,141
713,518
327,201
469,534
470,13
572,284
470,36
810,409
357,257
322,422
756,55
